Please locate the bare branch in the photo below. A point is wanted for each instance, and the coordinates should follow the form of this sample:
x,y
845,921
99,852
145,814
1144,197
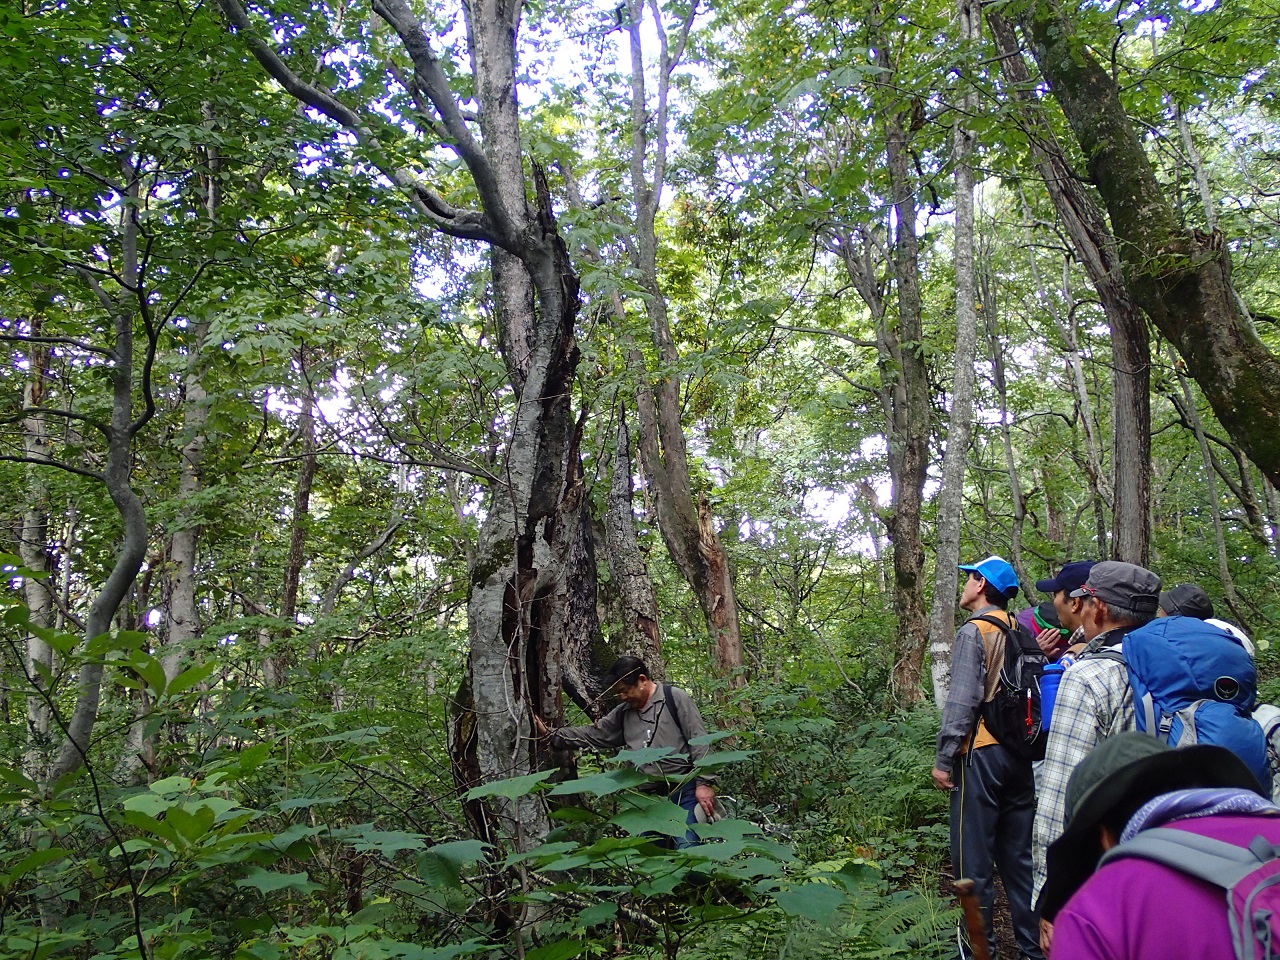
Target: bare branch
x,y
464,224
431,78
91,474
819,331
58,341
54,412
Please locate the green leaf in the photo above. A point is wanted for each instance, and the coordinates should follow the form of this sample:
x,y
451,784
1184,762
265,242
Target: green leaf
x,y
652,815
122,640
560,950
268,881
814,901
726,830
638,758
171,785
191,677
35,860
149,669
386,842
715,761
598,913
441,866
510,788
603,784
541,852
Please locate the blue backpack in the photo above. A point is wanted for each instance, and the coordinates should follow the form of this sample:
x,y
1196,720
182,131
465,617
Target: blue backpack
x,y
1194,683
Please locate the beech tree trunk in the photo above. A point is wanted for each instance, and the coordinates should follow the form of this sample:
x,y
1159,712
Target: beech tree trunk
x,y
1180,278
519,568
33,547
1129,492
942,618
627,569
991,316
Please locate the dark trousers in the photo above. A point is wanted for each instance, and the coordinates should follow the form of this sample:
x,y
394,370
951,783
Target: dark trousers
x,y
992,809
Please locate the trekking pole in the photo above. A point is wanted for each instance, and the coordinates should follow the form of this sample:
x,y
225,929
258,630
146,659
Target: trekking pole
x,y
968,897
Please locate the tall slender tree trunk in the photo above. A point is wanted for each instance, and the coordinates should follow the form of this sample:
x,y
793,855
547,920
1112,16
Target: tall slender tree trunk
x,y
951,494
33,547
991,316
280,658
1215,504
1129,492
684,518
122,427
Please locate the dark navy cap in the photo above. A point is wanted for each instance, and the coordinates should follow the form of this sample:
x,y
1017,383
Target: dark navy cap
x,y
1072,576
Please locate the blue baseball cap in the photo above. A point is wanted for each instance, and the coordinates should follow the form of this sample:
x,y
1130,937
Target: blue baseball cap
x,y
997,572
1072,576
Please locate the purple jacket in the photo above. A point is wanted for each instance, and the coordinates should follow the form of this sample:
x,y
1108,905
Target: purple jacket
x,y
1133,909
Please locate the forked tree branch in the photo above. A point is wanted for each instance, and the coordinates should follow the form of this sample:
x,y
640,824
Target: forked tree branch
x,y
454,221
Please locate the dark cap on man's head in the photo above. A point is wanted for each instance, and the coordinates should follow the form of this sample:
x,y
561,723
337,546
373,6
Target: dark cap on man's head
x,y
1186,600
1071,577
1126,586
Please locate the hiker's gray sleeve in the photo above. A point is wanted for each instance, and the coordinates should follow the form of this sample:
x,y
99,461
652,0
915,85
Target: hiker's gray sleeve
x,y
606,733
691,721
968,683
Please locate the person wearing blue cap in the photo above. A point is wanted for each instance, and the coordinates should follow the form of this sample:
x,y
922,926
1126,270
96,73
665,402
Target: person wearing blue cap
x,y
992,790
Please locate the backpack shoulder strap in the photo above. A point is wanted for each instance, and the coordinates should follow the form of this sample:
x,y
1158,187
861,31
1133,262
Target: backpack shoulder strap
x,y
675,711
1109,653
1216,861
1012,644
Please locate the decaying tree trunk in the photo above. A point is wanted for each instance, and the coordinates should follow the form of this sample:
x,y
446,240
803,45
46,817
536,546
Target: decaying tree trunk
x,y
519,570
627,569
1180,278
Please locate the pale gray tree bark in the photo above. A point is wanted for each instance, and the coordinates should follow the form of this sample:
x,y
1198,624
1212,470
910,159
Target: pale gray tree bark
x,y
942,616
627,569
991,318
33,546
124,308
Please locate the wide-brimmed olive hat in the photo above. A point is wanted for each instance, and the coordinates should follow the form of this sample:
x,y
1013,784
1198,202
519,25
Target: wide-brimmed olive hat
x,y
1126,770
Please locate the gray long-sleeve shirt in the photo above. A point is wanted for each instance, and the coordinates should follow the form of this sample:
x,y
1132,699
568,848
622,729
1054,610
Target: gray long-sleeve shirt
x,y
655,725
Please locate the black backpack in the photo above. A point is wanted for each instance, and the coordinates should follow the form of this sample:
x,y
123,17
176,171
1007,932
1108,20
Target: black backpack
x,y
1013,714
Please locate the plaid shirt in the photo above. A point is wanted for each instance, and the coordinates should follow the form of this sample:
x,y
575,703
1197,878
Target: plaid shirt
x,y
1094,701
